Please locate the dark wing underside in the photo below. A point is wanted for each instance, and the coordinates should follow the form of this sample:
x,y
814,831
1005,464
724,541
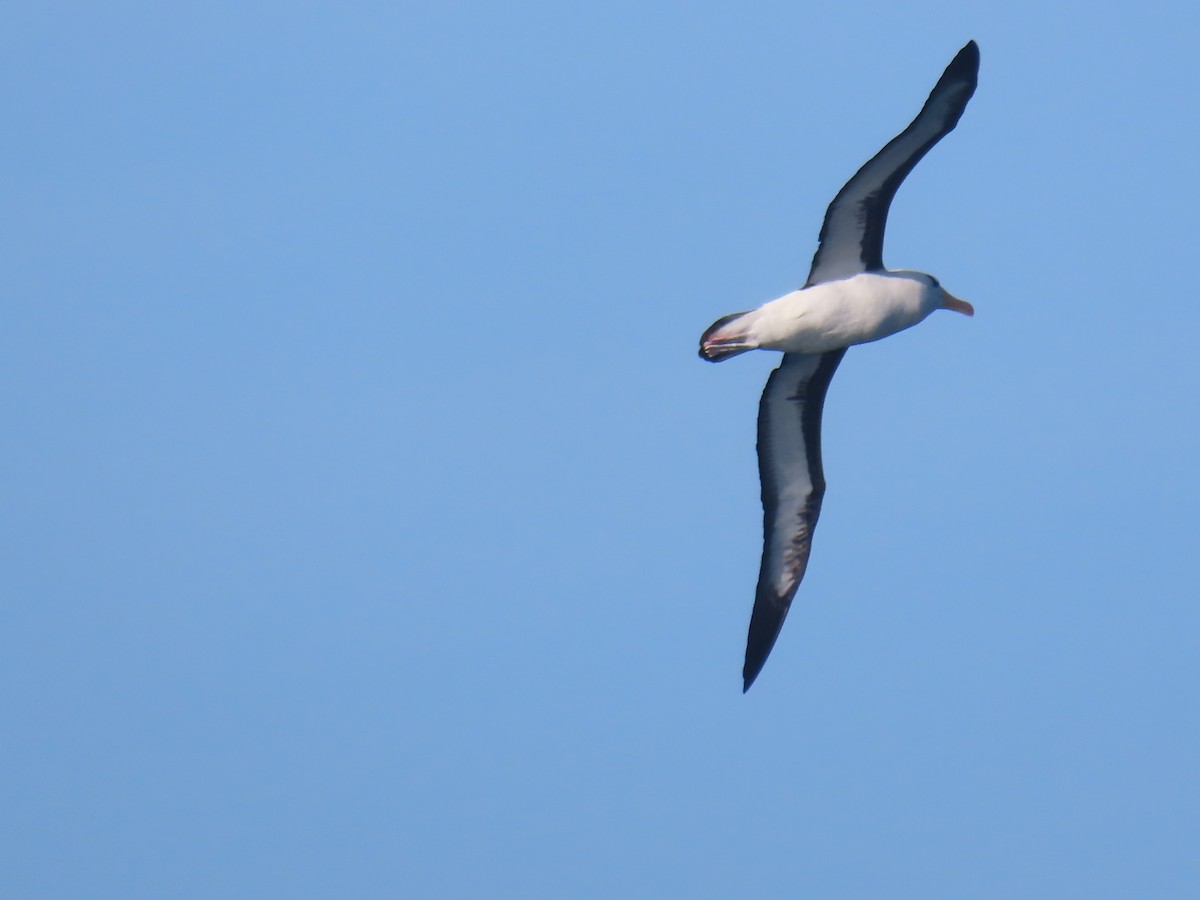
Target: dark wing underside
x,y
793,484
852,235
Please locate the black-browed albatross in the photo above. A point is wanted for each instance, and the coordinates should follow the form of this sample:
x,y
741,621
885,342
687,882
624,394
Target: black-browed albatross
x,y
849,298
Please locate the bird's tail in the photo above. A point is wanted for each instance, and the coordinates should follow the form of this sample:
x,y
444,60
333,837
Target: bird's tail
x,y
726,337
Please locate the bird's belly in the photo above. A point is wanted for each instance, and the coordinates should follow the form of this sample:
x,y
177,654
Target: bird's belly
x,y
829,317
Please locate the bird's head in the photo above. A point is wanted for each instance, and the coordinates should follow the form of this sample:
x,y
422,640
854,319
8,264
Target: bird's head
x,y
944,299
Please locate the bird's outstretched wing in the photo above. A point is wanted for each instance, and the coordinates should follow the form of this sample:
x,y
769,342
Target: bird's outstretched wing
x,y
793,484
852,235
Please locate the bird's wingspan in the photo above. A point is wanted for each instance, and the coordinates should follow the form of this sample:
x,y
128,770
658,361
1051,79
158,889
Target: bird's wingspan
x,y
793,485
852,235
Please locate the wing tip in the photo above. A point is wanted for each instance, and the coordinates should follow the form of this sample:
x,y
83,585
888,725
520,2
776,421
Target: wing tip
x,y
965,62
766,621
756,657
960,78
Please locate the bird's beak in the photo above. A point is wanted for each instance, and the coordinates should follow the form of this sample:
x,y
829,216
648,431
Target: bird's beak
x,y
949,301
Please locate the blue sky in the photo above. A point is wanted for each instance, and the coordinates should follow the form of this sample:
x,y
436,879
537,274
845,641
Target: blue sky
x,y
371,528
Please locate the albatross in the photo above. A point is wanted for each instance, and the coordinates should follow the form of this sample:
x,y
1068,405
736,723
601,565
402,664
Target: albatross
x,y
849,298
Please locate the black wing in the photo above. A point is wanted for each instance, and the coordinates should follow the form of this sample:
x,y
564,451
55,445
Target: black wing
x,y
793,484
852,236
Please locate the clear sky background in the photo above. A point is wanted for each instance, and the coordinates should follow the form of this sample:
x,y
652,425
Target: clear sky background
x,y
371,528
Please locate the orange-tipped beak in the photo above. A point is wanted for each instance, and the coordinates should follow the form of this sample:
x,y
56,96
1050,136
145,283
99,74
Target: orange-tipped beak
x,y
949,301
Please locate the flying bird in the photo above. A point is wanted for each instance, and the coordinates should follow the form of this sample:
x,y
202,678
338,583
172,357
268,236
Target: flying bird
x,y
849,298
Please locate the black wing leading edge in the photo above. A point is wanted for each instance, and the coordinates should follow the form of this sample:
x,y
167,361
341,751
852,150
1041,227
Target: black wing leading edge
x,y
793,485
852,235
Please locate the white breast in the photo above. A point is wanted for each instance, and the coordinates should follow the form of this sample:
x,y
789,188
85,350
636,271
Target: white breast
x,y
837,314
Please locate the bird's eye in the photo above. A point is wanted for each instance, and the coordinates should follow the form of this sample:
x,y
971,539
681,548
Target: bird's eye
x,y
936,283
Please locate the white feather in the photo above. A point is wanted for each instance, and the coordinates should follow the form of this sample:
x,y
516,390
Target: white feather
x,y
834,314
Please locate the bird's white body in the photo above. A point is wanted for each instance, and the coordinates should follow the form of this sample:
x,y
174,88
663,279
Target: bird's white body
x,y
832,315
858,310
